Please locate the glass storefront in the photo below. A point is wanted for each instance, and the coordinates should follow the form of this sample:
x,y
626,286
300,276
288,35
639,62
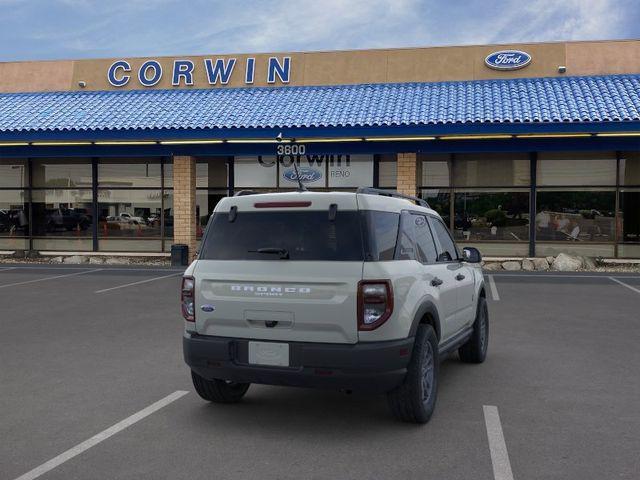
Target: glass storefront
x,y
585,202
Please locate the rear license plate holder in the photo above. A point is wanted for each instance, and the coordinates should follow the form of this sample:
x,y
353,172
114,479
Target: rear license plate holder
x,y
273,354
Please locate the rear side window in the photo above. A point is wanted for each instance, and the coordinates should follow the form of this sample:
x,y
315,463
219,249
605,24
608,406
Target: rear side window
x,y
447,249
303,235
381,233
415,241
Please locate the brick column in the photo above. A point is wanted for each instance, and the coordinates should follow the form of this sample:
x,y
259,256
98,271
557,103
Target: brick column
x,y
408,174
184,202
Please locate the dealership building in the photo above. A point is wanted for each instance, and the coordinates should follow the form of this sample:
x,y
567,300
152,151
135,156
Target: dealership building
x,y
525,150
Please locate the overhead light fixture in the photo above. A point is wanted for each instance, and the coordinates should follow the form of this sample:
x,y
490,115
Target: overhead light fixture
x,y
125,142
553,135
329,140
251,140
475,137
399,139
190,142
14,144
58,144
619,134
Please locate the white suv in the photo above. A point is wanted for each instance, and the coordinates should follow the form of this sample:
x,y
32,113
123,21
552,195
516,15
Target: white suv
x,y
357,291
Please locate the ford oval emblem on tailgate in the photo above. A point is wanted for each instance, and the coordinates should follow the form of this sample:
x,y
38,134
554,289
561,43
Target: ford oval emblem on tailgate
x,y
207,308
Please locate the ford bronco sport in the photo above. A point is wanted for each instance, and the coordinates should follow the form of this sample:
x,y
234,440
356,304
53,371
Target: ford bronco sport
x,y
357,291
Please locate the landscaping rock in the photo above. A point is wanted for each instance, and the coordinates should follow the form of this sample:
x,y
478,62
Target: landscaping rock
x,y
549,260
96,260
566,263
540,264
117,261
511,265
528,265
56,260
492,266
76,259
589,263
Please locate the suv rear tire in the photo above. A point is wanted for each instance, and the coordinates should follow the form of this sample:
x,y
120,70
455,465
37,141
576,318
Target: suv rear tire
x,y
415,399
219,391
475,349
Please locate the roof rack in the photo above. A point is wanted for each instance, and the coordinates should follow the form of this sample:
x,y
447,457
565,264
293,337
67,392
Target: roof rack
x,y
389,193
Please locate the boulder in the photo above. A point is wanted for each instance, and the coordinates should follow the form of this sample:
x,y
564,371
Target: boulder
x,y
589,263
549,260
76,259
528,265
492,266
540,264
511,265
566,263
56,260
96,260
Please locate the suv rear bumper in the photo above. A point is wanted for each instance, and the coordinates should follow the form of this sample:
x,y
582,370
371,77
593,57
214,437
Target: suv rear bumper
x,y
369,367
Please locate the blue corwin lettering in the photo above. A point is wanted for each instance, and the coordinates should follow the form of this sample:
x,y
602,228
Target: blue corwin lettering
x,y
143,73
112,74
219,71
281,70
182,69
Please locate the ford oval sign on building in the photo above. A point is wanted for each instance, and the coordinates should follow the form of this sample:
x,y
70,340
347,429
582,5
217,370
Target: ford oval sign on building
x,y
507,60
307,175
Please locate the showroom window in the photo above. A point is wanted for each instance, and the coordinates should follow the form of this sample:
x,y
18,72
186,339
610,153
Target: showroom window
x,y
482,198
269,173
387,172
62,204
629,204
576,203
14,204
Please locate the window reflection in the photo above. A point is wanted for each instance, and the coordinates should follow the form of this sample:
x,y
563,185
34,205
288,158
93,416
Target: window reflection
x,y
66,213
580,216
129,213
14,214
492,216
630,216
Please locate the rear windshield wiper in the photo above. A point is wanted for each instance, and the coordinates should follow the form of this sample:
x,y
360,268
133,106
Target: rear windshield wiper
x,y
283,252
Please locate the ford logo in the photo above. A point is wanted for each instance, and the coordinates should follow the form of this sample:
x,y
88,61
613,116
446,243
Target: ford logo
x,y
307,175
507,60
207,308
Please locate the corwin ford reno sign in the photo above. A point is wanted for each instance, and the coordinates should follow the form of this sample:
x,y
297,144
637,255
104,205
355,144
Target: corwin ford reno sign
x,y
507,60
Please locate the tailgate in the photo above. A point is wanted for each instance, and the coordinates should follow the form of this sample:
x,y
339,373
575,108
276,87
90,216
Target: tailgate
x,y
301,301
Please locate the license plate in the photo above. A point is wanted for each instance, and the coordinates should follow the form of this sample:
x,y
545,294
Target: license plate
x,y
269,353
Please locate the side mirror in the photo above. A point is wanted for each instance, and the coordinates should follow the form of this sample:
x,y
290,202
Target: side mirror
x,y
471,255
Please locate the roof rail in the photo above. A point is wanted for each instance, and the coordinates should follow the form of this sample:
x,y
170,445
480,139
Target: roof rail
x,y
242,193
389,193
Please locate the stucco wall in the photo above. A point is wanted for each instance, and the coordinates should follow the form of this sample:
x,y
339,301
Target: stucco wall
x,y
345,67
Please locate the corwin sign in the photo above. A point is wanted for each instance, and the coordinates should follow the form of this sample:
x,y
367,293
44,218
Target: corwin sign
x,y
218,71
507,60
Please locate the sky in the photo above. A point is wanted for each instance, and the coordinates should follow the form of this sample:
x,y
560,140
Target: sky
x,y
74,29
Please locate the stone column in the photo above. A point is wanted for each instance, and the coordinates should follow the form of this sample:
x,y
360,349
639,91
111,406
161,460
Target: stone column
x,y
409,173
184,202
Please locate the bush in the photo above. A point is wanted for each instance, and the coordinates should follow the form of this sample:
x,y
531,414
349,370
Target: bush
x,y
496,217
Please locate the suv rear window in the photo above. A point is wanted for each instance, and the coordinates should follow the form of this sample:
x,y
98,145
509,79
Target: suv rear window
x,y
303,235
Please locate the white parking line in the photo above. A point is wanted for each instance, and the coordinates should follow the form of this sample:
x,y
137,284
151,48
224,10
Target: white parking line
x,y
100,437
7,268
137,283
44,279
625,285
493,288
497,445
551,275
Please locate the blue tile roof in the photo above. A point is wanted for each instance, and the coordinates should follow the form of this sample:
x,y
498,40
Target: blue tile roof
x,y
613,98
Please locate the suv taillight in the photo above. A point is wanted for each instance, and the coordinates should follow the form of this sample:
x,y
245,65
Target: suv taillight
x,y
187,299
375,303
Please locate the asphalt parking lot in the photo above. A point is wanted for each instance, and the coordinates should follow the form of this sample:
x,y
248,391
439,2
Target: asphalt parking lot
x,y
92,385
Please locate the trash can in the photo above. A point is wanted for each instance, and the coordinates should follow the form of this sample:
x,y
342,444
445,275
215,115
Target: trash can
x,y
179,255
